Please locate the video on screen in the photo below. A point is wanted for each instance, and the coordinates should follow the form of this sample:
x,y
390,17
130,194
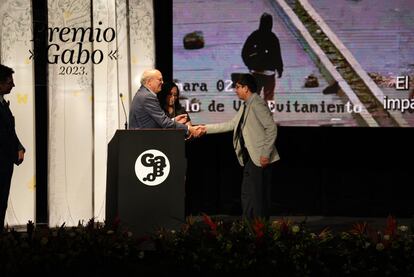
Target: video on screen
x,y
316,62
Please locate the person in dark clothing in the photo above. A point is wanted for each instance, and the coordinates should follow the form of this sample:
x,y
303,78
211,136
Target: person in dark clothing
x,y
11,150
169,101
262,56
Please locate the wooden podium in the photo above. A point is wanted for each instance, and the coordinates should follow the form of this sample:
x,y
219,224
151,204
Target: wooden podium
x,y
145,179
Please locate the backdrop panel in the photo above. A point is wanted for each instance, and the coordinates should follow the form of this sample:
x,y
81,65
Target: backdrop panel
x,y
108,44
15,43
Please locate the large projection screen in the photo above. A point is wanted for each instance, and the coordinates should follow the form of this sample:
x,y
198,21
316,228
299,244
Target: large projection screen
x,y
208,38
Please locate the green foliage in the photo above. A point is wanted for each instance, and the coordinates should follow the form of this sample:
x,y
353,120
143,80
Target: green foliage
x,y
92,249
286,248
210,247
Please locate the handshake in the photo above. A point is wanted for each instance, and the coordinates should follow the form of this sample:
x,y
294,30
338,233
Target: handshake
x,y
194,131
197,131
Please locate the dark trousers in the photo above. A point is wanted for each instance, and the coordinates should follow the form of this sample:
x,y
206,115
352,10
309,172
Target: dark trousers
x,y
268,83
255,191
6,172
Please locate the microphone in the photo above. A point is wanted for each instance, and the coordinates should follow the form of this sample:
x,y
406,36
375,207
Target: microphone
x,y
123,107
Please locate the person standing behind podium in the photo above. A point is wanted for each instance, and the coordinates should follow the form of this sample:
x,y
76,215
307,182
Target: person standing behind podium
x,y
146,111
11,150
254,135
169,101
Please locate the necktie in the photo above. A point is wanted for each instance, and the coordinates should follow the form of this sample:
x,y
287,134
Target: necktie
x,y
239,126
239,135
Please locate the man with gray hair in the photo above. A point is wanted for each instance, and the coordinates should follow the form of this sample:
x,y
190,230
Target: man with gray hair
x,y
146,112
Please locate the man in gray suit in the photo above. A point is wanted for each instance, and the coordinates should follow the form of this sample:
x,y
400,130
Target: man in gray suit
x,y
146,112
254,135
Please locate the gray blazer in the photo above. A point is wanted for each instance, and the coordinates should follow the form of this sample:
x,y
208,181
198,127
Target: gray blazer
x,y
146,112
259,131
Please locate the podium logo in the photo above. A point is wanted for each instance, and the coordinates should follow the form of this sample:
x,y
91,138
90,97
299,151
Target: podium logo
x,y
152,167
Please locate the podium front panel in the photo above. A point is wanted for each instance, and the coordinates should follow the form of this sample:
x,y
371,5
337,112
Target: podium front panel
x,y
149,179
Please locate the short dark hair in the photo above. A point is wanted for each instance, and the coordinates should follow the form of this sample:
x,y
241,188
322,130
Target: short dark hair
x,y
5,72
244,79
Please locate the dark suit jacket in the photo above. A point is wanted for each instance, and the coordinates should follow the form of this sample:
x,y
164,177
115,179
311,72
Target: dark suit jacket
x,y
145,112
9,142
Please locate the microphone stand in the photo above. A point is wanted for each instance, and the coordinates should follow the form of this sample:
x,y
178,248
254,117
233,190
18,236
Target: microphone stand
x,y
123,107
